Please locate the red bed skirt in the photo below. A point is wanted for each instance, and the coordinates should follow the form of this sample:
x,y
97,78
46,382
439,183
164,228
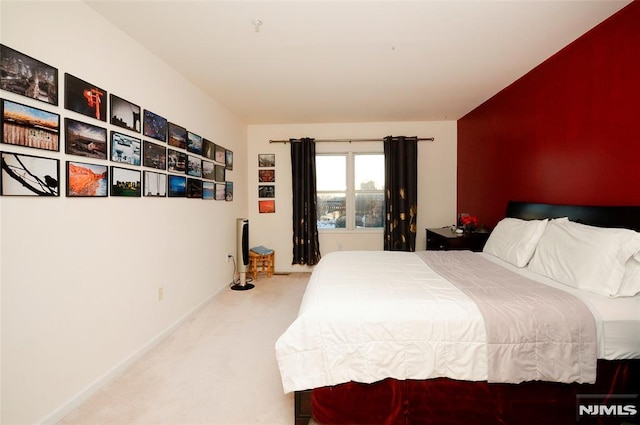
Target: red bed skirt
x,y
447,401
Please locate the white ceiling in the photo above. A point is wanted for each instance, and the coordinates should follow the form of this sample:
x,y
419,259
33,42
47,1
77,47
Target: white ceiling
x,y
354,60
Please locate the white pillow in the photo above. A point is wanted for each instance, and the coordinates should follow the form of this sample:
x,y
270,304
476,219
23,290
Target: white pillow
x,y
630,285
514,240
586,257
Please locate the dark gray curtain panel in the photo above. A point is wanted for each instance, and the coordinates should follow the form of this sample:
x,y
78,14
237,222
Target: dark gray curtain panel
x,y
306,247
401,193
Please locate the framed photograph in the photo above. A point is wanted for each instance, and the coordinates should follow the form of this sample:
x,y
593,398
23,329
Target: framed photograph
x,y
266,160
266,207
87,180
220,175
208,170
208,190
194,143
176,161
31,127
208,149
176,136
220,192
155,184
26,76
155,126
84,139
155,156
124,114
194,166
126,182
125,148
26,175
266,176
229,191
194,188
220,153
177,186
85,98
228,163
266,191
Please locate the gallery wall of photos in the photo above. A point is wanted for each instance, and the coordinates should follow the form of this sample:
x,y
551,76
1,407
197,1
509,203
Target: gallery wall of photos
x,y
112,147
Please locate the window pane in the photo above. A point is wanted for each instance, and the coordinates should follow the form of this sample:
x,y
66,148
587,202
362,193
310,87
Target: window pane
x,y
369,172
331,172
331,210
370,209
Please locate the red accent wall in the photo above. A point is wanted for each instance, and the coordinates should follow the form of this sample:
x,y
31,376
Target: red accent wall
x,y
566,132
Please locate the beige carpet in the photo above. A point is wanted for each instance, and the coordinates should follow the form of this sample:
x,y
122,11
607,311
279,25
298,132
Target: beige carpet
x,y
217,368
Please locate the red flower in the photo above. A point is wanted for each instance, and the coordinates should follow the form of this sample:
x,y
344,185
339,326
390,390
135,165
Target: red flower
x,y
469,220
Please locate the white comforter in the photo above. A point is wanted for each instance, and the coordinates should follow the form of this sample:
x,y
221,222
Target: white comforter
x,y
367,316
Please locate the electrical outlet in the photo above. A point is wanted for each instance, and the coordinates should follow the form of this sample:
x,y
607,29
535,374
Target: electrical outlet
x,y
160,293
228,257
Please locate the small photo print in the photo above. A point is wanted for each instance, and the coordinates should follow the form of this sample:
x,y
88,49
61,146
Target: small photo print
x,y
26,175
228,160
208,190
194,188
125,114
177,186
220,191
85,98
84,139
155,184
208,170
194,166
266,191
176,161
125,182
26,76
266,207
155,156
177,136
24,125
86,180
155,126
266,176
266,160
208,149
125,148
220,153
229,191
220,173
194,143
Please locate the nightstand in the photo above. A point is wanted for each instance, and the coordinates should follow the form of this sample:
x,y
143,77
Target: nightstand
x,y
444,239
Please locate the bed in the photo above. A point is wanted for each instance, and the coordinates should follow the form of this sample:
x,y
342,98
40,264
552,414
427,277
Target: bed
x,y
447,337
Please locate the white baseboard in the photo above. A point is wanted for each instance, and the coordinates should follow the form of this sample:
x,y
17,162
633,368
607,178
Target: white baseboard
x,y
59,413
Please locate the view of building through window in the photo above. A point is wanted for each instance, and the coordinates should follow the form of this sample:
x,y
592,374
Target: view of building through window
x,y
350,191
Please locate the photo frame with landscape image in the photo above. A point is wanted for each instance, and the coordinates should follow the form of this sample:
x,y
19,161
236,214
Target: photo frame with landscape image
x,y
208,148
194,188
125,114
155,126
26,76
266,191
208,170
266,160
228,191
28,175
208,190
125,148
228,160
177,186
126,182
176,161
176,136
84,139
267,207
154,156
30,127
85,98
155,184
220,191
220,175
194,166
87,180
220,154
194,143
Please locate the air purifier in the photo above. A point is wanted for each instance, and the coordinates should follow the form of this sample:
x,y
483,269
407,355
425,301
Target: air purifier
x,y
242,247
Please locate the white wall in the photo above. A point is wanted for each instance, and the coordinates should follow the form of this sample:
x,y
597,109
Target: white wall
x,y
80,276
436,181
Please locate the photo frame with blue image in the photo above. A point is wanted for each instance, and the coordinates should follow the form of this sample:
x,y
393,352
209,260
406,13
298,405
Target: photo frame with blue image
x,y
125,148
177,186
155,126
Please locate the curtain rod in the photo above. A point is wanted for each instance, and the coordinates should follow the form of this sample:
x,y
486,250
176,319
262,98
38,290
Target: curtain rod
x,y
430,139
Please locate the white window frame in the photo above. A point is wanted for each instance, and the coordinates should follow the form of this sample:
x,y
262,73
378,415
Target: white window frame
x,y
350,193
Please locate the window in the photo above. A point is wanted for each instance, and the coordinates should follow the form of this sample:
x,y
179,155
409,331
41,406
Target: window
x,y
350,190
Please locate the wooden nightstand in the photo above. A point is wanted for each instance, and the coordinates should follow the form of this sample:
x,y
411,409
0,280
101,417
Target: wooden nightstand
x,y
444,239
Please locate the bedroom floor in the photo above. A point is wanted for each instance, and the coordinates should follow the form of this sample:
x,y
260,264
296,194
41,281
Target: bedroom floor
x,y
219,367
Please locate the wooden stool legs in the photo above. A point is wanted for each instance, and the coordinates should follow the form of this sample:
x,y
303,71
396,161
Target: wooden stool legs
x,y
261,264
